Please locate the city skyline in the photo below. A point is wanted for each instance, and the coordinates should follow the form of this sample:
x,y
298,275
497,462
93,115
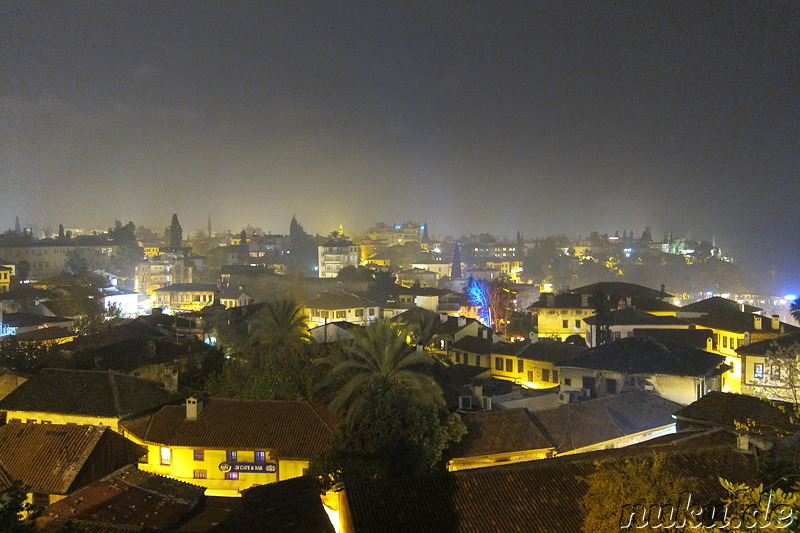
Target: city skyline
x,y
470,116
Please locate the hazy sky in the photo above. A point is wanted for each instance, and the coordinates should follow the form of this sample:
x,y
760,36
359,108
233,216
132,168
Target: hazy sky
x,y
547,117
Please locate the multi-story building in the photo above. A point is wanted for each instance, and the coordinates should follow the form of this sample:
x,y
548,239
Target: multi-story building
x,y
161,271
338,306
186,296
6,271
48,257
228,445
397,234
335,255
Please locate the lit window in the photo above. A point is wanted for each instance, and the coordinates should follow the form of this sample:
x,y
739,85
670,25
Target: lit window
x,y
775,372
498,363
509,365
260,457
758,370
166,456
199,455
231,475
200,474
231,456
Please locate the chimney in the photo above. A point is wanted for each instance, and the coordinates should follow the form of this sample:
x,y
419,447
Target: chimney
x,y
443,317
584,300
629,301
534,337
551,300
663,287
776,323
194,407
462,321
710,344
757,321
170,380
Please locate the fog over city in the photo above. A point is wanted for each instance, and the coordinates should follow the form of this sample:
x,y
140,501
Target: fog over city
x,y
540,117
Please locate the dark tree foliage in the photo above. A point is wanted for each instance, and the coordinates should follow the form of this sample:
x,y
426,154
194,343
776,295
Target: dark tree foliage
x,y
392,437
601,303
302,250
13,503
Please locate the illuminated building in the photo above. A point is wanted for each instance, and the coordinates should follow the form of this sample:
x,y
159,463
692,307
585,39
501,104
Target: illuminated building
x,y
186,296
228,445
48,257
338,306
336,254
6,271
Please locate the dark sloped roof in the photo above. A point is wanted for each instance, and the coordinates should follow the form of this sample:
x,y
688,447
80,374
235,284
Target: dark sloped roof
x,y
188,287
289,429
19,320
130,496
621,289
695,338
550,351
580,424
339,300
49,524
629,316
645,355
49,457
501,431
535,497
473,345
718,304
562,301
739,322
44,334
290,506
86,393
765,346
722,409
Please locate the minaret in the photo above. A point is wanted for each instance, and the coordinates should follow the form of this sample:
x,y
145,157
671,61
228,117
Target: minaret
x,y
17,228
455,271
209,226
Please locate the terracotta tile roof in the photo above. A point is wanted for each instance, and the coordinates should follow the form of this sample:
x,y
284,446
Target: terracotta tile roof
x,y
87,393
132,497
645,355
501,431
722,409
560,301
285,428
580,424
19,320
339,300
290,506
762,347
53,458
48,524
5,478
536,497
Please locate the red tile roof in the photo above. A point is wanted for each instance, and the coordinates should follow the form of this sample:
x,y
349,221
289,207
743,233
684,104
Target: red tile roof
x,y
51,458
287,429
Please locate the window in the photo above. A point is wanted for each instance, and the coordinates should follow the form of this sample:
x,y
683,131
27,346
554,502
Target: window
x,y
166,456
260,457
360,312
199,455
545,374
200,474
231,475
775,372
616,335
520,366
143,459
758,370
231,456
577,324
724,342
509,365
530,375
498,363
555,376
477,360
341,314
458,357
565,324
371,311
611,386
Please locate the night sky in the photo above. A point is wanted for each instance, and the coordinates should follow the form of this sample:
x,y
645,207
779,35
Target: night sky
x,y
543,117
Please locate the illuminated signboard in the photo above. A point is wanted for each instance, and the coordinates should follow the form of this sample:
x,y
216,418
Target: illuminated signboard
x,y
257,468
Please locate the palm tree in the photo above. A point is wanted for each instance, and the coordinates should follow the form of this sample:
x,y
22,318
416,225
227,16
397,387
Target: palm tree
x,y
794,309
379,356
422,327
281,323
